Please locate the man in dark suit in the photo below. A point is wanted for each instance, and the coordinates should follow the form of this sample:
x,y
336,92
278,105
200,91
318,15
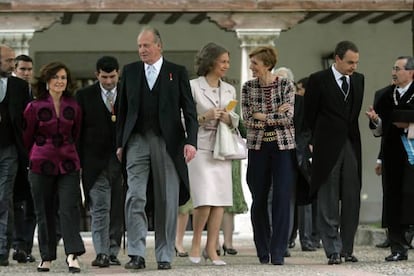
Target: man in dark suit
x,y
101,170
150,134
392,118
24,216
333,102
14,95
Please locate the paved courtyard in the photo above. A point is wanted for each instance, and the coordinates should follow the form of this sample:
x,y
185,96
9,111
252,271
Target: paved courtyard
x,y
371,262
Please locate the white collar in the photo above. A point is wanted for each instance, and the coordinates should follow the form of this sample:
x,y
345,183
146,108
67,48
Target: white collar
x,y
338,75
104,91
404,89
157,65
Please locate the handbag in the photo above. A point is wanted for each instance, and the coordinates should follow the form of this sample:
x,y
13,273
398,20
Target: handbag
x,y
229,144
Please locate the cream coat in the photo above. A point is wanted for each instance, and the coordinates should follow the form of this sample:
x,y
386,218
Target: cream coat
x,y
210,179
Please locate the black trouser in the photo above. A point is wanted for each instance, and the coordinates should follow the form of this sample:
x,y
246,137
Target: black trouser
x,y
44,190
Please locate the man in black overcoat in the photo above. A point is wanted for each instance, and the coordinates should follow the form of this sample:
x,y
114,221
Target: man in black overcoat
x,y
101,169
333,102
392,117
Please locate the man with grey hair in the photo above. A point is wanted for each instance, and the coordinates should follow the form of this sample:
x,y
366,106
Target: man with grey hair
x,y
392,118
151,137
14,95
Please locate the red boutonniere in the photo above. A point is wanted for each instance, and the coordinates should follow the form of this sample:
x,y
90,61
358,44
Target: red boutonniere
x,y
171,77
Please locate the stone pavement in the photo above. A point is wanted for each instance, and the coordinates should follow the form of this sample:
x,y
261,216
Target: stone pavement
x,y
371,261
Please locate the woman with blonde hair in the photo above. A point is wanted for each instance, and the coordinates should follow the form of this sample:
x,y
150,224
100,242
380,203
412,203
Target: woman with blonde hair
x,y
268,105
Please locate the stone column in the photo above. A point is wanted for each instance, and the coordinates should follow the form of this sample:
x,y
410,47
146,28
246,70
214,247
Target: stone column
x,y
16,30
250,39
255,29
17,39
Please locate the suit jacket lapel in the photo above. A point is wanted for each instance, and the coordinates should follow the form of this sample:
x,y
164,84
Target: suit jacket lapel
x,y
162,83
135,80
211,97
333,88
407,95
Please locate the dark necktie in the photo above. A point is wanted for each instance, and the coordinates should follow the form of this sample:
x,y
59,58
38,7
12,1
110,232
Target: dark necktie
x,y
344,86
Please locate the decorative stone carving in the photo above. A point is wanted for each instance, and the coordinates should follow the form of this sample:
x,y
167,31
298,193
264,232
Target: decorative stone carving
x,y
16,30
256,20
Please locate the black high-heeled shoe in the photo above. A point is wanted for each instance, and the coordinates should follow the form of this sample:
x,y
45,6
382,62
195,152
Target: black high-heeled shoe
x,y
230,251
44,266
73,264
180,254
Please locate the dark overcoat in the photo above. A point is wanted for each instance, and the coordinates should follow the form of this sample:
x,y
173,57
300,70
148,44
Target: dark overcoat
x,y
331,125
398,194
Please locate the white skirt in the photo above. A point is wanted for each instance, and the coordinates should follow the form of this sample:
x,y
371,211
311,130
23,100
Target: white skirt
x,y
210,180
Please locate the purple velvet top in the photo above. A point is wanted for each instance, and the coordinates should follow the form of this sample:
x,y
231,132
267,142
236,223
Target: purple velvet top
x,y
51,141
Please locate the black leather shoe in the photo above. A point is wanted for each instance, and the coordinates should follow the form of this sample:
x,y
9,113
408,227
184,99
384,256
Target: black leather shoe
x,y
4,260
164,265
277,260
334,259
396,256
102,260
292,244
136,262
30,258
264,259
19,256
384,244
113,260
349,258
308,248
287,253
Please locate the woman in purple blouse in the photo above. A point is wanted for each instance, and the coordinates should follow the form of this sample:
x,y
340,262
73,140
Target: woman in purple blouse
x,y
52,124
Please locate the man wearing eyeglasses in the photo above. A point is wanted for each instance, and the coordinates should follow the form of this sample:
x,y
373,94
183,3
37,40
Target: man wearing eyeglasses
x,y
392,118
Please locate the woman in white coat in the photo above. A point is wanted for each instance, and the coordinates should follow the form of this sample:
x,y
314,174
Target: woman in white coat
x,y
210,179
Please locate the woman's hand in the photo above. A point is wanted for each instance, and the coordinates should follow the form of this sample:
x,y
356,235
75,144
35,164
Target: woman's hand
x,y
225,117
259,116
213,114
283,108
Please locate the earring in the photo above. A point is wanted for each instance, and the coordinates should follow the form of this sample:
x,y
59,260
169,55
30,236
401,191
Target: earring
x,y
47,87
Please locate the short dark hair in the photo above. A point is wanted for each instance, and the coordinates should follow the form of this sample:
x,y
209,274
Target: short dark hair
x,y
47,72
344,46
24,58
206,58
107,64
267,54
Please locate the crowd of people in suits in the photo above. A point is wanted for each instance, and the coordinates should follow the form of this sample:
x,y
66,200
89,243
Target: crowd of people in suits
x,y
151,128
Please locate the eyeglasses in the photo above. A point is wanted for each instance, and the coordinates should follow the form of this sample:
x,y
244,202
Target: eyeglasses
x,y
397,69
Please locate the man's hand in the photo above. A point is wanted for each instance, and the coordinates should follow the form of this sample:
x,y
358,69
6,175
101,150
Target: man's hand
x,y
372,115
119,154
378,169
189,152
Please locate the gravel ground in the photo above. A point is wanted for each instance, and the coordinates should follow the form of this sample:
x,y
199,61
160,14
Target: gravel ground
x,y
371,262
